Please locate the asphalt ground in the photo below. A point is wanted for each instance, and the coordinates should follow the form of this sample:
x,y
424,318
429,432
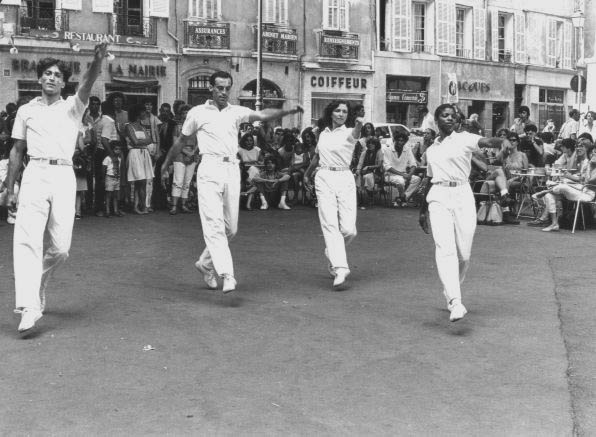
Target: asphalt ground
x,y
286,355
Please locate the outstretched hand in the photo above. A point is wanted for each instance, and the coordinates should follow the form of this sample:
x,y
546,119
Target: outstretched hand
x,y
101,50
423,221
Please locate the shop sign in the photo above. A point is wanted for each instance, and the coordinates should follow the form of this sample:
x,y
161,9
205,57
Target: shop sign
x,y
281,34
90,37
407,97
474,86
351,40
26,66
341,82
137,70
205,29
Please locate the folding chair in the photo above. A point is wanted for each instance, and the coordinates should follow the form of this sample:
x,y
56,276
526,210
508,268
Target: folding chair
x,y
579,208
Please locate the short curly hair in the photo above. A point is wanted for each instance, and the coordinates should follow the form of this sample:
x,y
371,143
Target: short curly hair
x,y
46,63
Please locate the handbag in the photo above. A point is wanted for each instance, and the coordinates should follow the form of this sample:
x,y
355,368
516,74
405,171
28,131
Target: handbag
x,y
489,213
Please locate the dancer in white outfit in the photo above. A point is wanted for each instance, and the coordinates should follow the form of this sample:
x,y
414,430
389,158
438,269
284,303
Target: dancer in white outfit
x,y
335,187
216,125
46,128
450,203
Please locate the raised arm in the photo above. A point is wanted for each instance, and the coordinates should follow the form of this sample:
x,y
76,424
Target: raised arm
x,y
93,72
270,114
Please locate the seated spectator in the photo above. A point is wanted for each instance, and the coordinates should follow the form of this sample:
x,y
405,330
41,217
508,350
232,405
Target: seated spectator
x,y
367,132
399,166
520,123
532,146
370,167
573,187
570,128
250,158
299,164
568,158
184,165
549,127
588,125
588,142
272,186
548,146
286,152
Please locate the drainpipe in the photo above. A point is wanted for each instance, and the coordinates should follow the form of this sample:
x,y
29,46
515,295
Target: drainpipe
x,y
178,54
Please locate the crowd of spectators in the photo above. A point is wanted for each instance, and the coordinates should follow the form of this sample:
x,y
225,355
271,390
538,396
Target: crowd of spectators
x,y
121,147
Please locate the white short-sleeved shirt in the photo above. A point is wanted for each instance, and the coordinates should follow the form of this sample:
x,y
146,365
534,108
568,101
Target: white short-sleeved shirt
x,y
451,159
217,131
398,162
335,147
106,128
110,170
50,130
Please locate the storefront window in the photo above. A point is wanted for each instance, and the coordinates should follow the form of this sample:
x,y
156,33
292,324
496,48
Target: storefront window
x,y
272,95
135,93
31,88
198,90
404,95
551,106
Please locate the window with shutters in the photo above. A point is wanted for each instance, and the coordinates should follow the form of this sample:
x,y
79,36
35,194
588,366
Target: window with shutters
x,y
275,11
204,9
505,37
479,33
419,27
336,14
445,19
41,15
463,32
129,16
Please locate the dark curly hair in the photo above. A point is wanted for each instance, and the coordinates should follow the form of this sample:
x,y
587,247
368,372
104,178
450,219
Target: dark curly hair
x,y
327,120
46,63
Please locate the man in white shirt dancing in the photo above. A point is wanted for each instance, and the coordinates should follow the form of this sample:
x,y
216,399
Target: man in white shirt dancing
x,y
216,124
46,128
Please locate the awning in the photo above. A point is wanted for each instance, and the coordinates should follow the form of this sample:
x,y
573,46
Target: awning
x,y
134,82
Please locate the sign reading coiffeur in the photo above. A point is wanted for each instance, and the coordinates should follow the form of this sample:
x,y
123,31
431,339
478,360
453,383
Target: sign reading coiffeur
x,y
338,82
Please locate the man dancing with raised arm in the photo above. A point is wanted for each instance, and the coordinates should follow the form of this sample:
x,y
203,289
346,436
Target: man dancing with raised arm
x,y
216,125
46,129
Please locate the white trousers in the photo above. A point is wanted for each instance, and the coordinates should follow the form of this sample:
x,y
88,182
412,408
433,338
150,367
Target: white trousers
x,y
182,176
395,179
336,194
218,190
571,192
452,213
46,202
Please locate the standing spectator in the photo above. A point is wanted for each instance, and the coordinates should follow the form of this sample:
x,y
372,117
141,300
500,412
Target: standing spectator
x,y
167,131
250,158
117,101
532,146
425,119
151,123
550,126
299,164
589,126
46,129
523,120
370,167
111,171
368,131
571,127
474,126
107,133
140,167
81,167
184,167
272,185
91,120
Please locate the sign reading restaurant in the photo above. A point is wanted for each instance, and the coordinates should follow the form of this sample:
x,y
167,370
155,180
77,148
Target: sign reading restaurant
x,y
91,37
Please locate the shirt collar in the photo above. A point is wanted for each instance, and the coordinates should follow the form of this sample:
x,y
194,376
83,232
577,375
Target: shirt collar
x,y
39,101
340,128
209,104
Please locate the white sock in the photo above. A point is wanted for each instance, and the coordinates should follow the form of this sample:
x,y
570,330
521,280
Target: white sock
x,y
504,192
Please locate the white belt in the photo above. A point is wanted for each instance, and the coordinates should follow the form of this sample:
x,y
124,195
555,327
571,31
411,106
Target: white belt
x,y
324,167
220,158
52,161
450,183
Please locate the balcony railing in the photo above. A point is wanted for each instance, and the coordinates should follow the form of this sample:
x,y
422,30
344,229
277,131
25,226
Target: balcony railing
x,y
41,18
423,48
464,53
207,35
135,29
339,45
505,56
277,40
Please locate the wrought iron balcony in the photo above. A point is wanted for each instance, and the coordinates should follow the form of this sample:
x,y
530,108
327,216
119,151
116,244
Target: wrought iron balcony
x,y
277,40
423,48
463,53
340,45
135,29
505,56
207,35
41,18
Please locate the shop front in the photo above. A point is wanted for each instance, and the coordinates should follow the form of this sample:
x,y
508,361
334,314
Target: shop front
x,y
405,95
323,87
484,89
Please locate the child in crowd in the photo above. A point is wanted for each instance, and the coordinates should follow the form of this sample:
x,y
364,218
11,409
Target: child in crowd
x,y
111,171
80,166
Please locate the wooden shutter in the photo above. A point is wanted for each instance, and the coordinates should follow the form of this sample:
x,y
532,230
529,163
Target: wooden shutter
x,y
344,15
103,6
159,8
480,34
445,17
269,11
282,6
551,42
567,45
402,21
520,38
73,5
10,2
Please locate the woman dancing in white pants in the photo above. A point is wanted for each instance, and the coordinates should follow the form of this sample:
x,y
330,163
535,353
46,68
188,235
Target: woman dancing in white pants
x,y
335,186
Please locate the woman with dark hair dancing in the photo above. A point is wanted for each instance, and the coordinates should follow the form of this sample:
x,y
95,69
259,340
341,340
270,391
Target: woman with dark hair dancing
x,y
449,202
335,186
